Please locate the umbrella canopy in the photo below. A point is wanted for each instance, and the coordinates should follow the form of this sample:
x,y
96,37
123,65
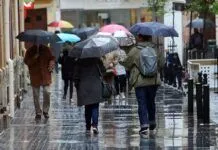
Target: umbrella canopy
x,y
38,36
153,29
111,28
68,37
124,38
60,24
199,23
95,46
85,32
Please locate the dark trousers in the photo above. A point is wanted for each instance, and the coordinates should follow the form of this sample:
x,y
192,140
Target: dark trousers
x,y
66,85
120,83
91,115
146,104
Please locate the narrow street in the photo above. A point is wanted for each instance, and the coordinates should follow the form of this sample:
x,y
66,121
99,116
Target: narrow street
x,y
118,125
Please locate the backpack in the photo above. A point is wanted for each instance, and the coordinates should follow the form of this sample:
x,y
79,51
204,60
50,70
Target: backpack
x,y
147,61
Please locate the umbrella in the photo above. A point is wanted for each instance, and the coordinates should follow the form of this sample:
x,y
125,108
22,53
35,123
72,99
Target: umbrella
x,y
38,36
199,23
95,46
153,29
124,38
111,28
85,32
61,24
68,37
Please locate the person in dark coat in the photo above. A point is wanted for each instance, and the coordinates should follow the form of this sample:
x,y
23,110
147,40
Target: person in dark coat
x,y
87,80
67,70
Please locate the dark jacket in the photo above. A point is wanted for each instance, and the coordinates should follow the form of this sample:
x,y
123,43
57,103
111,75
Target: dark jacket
x,y
38,67
88,82
67,66
196,40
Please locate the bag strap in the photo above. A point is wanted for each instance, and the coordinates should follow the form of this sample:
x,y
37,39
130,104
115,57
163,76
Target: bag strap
x,y
99,70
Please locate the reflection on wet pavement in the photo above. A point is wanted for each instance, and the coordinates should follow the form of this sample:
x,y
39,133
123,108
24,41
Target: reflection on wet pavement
x,y
118,125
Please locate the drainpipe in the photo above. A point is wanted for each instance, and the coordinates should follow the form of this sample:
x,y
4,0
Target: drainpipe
x,y
9,61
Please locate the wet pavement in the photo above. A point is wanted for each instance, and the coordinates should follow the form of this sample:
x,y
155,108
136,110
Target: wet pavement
x,y
118,125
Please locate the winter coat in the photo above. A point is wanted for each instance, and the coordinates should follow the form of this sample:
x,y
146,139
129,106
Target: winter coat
x,y
87,81
67,66
131,63
38,67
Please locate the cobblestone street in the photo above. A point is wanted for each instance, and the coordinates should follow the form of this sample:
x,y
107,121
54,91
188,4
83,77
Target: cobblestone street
x,y
118,125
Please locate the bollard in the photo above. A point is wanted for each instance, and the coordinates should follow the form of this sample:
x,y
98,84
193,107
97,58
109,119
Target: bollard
x,y
199,101
200,77
190,96
206,104
204,78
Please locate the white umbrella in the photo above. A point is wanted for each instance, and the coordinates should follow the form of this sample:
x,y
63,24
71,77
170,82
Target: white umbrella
x,y
124,38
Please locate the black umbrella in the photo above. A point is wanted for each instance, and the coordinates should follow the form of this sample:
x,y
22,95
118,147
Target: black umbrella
x,y
85,32
38,36
95,46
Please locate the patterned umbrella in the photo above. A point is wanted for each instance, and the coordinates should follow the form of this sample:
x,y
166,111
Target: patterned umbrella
x,y
95,46
124,38
60,24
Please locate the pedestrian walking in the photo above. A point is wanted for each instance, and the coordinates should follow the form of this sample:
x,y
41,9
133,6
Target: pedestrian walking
x,y
56,48
109,75
196,44
67,70
120,77
145,85
88,83
40,62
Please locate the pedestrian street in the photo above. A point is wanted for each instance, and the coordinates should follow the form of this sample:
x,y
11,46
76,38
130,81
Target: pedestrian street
x,y
118,125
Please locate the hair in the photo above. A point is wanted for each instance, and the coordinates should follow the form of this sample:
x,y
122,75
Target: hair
x,y
196,30
145,37
56,32
65,52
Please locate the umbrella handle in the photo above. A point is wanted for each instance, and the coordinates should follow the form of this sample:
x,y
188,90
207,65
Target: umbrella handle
x,y
37,48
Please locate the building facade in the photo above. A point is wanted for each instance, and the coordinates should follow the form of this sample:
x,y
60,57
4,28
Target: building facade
x,y
100,12
10,55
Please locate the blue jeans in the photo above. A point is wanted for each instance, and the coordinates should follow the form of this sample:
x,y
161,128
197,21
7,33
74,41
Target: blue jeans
x,y
91,115
146,104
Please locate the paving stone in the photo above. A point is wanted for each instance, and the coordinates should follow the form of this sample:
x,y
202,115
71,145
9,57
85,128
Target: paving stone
x,y
118,125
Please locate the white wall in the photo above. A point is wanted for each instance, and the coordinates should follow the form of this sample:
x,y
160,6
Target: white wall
x,y
178,25
101,4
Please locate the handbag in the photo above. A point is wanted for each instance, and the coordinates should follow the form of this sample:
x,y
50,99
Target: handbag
x,y
107,89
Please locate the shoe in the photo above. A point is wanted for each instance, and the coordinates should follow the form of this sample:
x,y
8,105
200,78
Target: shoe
x,y
117,97
152,127
95,130
122,95
46,115
38,117
71,100
144,132
88,131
